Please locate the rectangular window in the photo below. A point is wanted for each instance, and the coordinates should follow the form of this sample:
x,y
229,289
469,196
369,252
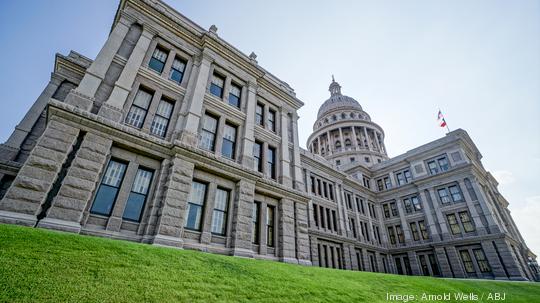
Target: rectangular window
x,y
434,266
401,179
229,141
433,169
423,265
137,196
386,211
259,114
380,185
255,220
466,221
393,208
257,155
408,176
391,235
400,235
467,261
216,85
353,227
157,62
234,95
108,189
161,119
423,230
456,193
270,226
408,205
454,226
177,70
387,184
272,120
331,191
139,108
443,164
196,200
219,215
443,195
316,215
482,261
416,203
208,132
271,162
414,231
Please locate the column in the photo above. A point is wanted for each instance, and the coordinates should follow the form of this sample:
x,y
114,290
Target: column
x,y
83,95
486,208
248,138
444,266
455,262
330,144
206,233
342,215
431,224
11,147
242,220
341,139
319,145
24,198
187,128
219,136
377,141
170,221
113,107
494,262
114,222
368,147
298,181
480,228
355,140
285,168
79,184
414,263
286,235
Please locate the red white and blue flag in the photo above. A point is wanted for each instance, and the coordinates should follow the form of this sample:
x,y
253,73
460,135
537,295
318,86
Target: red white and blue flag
x,y
440,118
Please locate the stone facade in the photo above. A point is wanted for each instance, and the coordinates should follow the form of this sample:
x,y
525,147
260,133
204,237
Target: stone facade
x,y
172,136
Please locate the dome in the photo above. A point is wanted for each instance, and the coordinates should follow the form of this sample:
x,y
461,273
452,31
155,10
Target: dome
x,y
337,100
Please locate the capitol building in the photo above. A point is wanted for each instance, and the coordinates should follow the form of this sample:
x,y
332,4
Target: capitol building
x,y
172,136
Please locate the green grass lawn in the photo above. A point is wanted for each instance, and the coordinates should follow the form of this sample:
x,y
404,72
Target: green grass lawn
x,y
38,265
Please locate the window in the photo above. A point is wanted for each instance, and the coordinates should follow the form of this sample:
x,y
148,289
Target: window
x,y
219,215
423,230
338,162
216,85
443,163
454,226
229,141
482,261
108,189
331,191
161,119
138,194
416,203
456,193
443,195
257,155
316,215
414,231
380,185
391,235
271,162
423,265
467,261
177,70
387,183
400,235
366,182
270,226
234,95
408,205
259,114
256,230
434,266
394,209
157,62
403,177
433,169
386,211
196,200
208,132
272,120
352,227
137,112
466,221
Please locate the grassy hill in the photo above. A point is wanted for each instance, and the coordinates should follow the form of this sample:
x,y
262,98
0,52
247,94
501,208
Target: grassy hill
x,y
44,266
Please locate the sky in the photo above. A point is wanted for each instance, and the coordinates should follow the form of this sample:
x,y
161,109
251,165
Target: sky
x,y
478,61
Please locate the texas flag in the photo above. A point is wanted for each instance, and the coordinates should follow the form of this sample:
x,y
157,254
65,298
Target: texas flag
x,y
440,118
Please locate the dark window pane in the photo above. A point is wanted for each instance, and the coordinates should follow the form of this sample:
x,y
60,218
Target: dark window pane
x,y
104,200
134,206
156,65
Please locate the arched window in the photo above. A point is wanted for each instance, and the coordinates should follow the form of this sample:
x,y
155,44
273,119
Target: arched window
x,y
334,118
322,151
338,144
347,142
343,116
352,115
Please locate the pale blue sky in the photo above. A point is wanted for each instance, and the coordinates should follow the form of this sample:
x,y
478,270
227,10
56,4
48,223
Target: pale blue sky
x,y
479,61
